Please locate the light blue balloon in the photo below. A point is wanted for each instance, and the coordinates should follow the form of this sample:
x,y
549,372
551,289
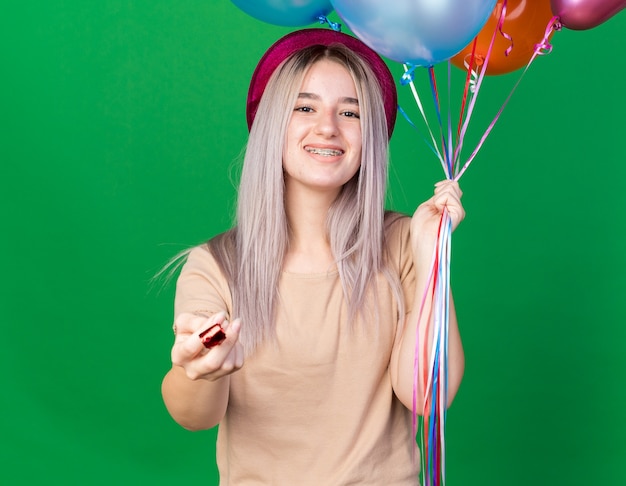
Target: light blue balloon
x,y
419,32
290,13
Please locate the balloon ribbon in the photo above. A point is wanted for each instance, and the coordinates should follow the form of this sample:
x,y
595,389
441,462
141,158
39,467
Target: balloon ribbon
x,y
434,376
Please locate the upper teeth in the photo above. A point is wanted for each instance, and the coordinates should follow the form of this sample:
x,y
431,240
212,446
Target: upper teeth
x,y
323,151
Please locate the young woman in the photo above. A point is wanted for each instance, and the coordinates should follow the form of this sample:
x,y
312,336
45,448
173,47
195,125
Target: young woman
x,y
317,288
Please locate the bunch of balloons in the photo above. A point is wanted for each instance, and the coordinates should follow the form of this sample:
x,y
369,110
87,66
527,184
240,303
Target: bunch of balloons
x,y
424,32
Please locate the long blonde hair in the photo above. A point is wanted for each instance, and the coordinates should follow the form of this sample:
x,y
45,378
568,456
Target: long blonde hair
x,y
251,255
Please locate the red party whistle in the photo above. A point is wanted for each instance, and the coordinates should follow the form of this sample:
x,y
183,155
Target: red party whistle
x,y
213,336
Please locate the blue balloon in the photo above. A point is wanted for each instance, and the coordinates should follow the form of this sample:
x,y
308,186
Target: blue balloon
x,y
419,32
290,13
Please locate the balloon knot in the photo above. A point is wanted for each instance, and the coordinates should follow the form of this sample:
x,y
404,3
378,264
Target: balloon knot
x,y
557,25
336,26
409,74
544,47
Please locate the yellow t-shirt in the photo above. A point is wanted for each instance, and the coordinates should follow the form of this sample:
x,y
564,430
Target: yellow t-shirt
x,y
316,407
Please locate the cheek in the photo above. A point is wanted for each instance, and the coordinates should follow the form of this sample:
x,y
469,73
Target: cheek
x,y
288,154
356,142
358,152
290,146
287,146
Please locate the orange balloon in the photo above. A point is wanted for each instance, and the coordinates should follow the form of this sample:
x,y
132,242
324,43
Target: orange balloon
x,y
525,23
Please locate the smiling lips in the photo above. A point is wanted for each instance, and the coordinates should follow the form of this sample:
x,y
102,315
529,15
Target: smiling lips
x,y
326,152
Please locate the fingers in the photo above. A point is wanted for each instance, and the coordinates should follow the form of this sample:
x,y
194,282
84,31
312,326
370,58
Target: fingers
x,y
448,195
220,360
187,325
425,224
448,187
225,358
199,362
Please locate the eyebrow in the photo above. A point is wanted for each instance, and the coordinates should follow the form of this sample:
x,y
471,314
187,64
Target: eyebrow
x,y
313,96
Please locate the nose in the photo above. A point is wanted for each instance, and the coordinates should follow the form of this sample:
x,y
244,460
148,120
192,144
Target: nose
x,y
327,123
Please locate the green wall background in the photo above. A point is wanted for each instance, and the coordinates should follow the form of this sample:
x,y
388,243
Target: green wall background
x,y
121,124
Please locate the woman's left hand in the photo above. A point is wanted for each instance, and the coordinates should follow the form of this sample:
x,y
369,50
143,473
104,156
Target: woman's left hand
x,y
425,221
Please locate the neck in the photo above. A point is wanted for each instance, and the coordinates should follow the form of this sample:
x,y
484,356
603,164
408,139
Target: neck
x,y
309,248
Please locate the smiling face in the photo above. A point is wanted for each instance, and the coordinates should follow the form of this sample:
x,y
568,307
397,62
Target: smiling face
x,y
323,149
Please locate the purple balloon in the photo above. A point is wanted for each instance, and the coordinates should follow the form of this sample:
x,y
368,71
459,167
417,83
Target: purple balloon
x,y
585,14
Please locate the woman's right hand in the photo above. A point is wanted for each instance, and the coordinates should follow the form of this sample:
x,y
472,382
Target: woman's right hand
x,y
199,362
